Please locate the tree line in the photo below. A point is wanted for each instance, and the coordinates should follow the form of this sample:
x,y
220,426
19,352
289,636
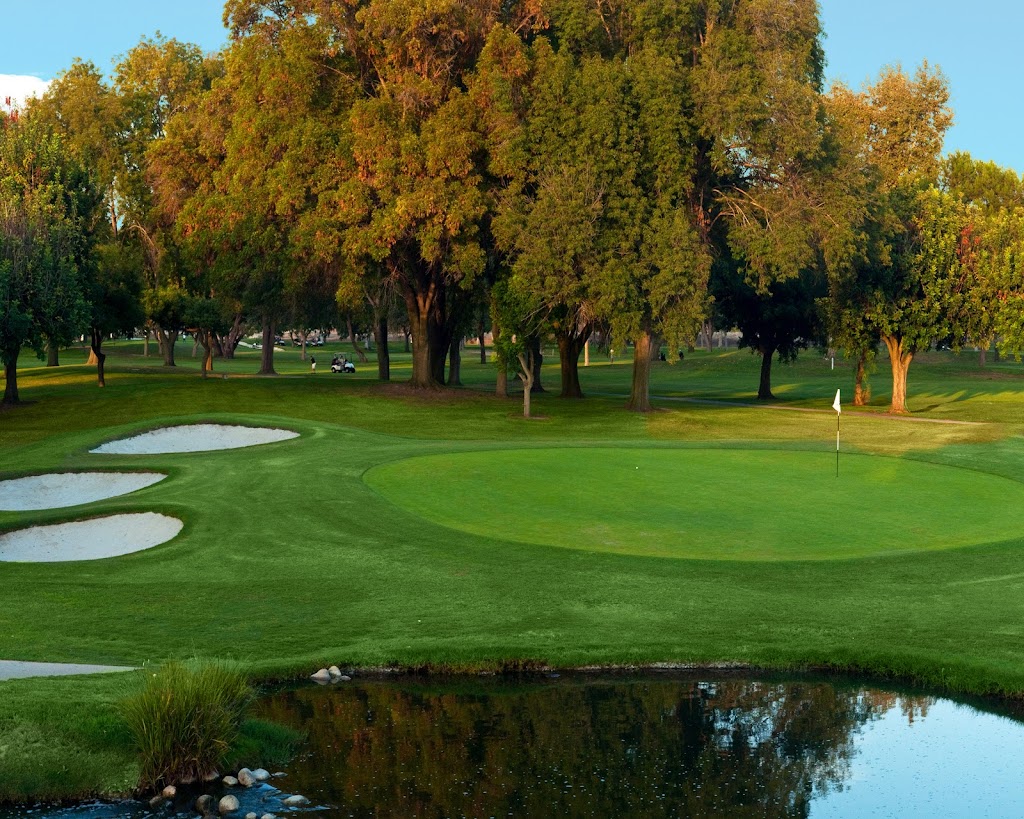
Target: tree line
x,y
544,169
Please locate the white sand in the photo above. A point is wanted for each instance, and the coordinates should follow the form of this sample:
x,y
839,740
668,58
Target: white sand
x,y
18,670
70,489
88,539
194,438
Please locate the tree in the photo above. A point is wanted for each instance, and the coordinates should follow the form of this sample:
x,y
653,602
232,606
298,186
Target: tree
x,y
45,202
896,127
921,295
783,320
408,190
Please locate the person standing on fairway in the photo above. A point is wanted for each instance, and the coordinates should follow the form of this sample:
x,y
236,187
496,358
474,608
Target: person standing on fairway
x,y
312,363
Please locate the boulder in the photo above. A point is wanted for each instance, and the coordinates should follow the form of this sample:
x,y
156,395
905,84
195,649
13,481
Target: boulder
x,y
227,804
230,781
261,775
268,816
334,671
321,676
344,678
156,801
204,804
295,801
246,778
211,776
251,816
279,774
169,792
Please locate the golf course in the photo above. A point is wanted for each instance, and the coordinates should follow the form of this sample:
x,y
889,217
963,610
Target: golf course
x,y
440,529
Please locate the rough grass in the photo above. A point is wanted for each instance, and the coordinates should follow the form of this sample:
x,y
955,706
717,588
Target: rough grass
x,y
184,722
289,561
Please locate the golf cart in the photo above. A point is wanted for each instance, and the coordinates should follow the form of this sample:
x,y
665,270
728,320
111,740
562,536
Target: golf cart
x,y
342,365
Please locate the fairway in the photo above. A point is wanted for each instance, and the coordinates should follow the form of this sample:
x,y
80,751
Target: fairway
x,y
719,504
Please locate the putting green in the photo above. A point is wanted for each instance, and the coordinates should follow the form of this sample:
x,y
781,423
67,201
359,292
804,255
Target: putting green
x,y
706,503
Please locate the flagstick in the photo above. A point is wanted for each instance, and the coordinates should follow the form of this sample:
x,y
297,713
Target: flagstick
x,y
837,444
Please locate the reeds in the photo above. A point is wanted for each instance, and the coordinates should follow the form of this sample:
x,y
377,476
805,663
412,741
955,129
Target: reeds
x,y
185,720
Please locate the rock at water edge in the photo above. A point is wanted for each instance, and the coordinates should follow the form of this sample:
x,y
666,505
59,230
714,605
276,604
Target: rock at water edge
x,y
261,775
251,816
169,792
204,804
295,801
334,671
227,804
345,678
230,781
321,676
246,778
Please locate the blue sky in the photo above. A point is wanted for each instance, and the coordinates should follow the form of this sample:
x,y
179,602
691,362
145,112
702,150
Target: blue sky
x,y
977,46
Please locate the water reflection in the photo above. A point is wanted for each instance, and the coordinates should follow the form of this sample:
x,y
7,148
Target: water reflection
x,y
579,747
650,745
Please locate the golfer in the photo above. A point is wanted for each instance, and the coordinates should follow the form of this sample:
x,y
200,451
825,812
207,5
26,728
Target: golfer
x,y
312,363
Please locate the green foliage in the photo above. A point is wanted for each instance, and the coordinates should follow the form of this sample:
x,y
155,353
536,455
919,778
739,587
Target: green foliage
x,y
184,721
46,201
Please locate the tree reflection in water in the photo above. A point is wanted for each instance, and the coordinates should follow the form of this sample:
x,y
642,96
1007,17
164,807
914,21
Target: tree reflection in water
x,y
576,747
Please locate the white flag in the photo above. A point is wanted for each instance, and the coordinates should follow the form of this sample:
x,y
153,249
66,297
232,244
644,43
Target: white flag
x,y
835,404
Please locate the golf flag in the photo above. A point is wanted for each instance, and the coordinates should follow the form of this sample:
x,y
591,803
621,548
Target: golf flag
x,y
839,411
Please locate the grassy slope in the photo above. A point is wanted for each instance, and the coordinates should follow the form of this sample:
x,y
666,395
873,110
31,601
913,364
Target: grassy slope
x,y
289,560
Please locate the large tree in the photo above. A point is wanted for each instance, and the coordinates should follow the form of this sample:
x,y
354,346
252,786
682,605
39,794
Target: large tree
x,y
896,128
46,201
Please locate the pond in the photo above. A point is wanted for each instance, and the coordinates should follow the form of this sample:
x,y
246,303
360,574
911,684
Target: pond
x,y
644,745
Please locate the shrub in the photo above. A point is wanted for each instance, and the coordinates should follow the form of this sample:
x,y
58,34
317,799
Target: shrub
x,y
185,720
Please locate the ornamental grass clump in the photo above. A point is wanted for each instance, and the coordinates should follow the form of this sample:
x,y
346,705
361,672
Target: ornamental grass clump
x,y
185,720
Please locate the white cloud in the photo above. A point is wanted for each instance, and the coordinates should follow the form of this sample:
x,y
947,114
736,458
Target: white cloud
x,y
20,87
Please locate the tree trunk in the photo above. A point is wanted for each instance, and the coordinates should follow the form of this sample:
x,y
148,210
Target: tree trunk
x,y
982,352
145,344
483,347
640,392
195,346
90,360
52,354
422,373
360,352
96,345
168,338
455,362
861,388
900,360
229,343
267,350
383,354
526,366
207,340
11,387
536,359
570,345
407,335
764,389
707,330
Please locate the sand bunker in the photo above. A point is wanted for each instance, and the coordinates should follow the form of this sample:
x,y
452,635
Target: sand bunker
x,y
194,438
70,489
88,539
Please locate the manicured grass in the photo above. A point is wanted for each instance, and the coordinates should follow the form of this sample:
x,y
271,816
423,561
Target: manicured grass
x,y
289,560
712,504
